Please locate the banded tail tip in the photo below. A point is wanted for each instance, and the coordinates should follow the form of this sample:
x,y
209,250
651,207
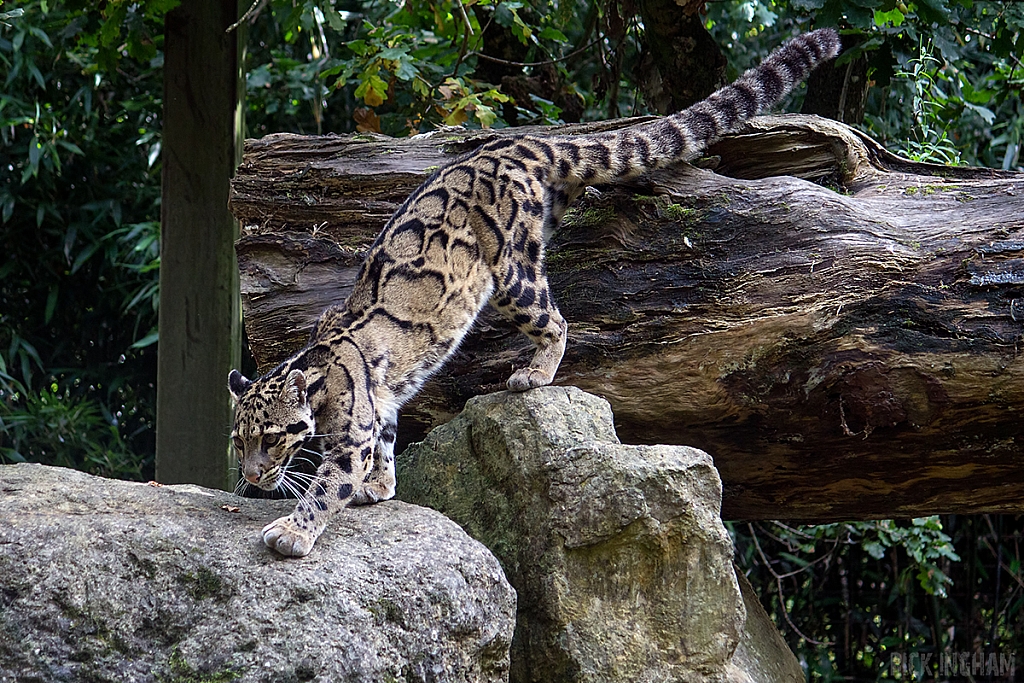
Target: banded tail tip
x,y
791,64
824,43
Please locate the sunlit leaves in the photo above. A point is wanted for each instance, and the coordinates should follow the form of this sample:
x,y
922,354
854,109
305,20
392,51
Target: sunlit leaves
x,y
459,101
412,64
553,34
507,14
892,17
372,88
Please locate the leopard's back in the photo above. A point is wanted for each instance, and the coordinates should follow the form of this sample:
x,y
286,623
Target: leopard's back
x,y
475,231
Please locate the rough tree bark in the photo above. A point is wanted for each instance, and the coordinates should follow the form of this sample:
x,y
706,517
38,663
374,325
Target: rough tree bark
x,y
681,62
837,327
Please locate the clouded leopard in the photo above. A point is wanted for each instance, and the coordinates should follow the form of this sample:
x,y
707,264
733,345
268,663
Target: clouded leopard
x,y
473,233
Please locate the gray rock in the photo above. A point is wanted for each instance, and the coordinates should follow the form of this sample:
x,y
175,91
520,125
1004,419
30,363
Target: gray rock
x,y
762,655
620,559
111,581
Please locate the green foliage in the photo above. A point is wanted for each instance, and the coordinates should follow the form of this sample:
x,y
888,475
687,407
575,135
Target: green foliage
x,y
847,596
945,77
921,540
64,429
116,29
401,68
79,210
963,92
397,68
931,136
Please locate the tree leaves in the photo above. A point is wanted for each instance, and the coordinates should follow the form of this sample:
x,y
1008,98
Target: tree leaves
x,y
372,89
78,175
398,61
460,100
893,17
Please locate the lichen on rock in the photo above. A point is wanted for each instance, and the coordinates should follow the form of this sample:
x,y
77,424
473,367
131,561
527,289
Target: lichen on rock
x,y
104,580
621,561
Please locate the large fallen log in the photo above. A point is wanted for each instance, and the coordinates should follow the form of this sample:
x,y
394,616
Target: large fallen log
x,y
836,326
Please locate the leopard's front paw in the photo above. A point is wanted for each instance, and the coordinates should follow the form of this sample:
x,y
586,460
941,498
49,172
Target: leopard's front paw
x,y
287,538
528,378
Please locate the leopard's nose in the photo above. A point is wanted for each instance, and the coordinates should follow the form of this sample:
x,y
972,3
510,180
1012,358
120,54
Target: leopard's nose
x,y
252,472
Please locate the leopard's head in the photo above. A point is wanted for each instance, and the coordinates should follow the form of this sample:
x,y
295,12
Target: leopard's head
x,y
273,420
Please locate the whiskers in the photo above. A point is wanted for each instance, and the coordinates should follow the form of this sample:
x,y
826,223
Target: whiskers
x,y
296,483
242,488
291,479
300,458
293,484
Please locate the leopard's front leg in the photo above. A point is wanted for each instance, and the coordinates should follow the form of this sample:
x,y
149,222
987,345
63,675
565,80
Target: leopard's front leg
x,y
337,479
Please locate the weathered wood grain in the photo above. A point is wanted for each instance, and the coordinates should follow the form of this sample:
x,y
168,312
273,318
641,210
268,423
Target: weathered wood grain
x,y
837,327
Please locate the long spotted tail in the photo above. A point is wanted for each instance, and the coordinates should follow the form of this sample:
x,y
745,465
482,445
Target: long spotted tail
x,y
631,152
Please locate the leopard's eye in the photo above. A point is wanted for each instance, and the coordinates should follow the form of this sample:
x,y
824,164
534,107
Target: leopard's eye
x,y
270,440
238,443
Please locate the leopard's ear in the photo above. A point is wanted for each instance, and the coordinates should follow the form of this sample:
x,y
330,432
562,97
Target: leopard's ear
x,y
237,384
295,387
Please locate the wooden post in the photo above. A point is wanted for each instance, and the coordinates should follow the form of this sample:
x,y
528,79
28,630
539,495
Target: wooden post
x,y
199,300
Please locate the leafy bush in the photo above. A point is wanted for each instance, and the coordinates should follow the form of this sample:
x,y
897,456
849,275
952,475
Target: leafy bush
x,y
79,205
401,68
850,596
406,68
943,78
64,429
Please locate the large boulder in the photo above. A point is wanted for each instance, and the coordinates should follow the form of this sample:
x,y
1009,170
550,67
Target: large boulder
x,y
111,581
621,562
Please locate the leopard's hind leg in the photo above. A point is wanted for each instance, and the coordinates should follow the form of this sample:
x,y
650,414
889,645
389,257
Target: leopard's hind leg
x,y
522,295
